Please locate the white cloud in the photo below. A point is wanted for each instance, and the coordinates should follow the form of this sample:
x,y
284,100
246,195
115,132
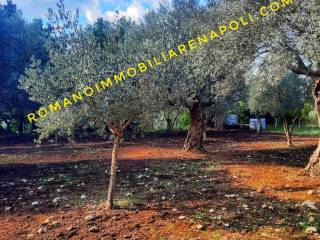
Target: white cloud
x,y
135,11
92,11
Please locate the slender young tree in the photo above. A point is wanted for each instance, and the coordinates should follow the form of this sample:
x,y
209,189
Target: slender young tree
x,y
81,58
280,96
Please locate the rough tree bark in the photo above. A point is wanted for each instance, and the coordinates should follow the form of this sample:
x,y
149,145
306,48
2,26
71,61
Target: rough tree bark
x,y
313,167
169,125
113,173
194,140
219,121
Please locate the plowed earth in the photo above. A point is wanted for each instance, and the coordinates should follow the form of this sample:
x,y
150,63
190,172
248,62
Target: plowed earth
x,y
244,187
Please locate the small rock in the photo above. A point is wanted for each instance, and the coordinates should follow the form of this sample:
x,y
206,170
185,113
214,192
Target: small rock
x,y
309,204
83,196
89,218
30,236
41,230
270,207
311,230
56,224
129,194
310,192
7,209
24,180
56,200
94,230
181,217
174,210
264,206
226,224
46,222
201,227
230,195
311,219
163,198
69,229
36,203
211,210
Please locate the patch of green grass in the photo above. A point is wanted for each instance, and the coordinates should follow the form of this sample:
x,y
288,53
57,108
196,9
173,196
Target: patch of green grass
x,y
308,223
128,202
193,166
68,178
200,217
212,166
302,131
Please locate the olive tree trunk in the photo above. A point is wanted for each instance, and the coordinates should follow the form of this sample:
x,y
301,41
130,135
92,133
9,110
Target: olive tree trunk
x,y
288,130
194,140
113,173
170,124
313,167
259,127
276,123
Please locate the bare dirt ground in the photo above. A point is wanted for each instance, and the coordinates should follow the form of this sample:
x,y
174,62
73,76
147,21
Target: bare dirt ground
x,y
244,187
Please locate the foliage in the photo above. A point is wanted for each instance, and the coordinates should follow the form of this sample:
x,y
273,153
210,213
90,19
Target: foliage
x,y
19,41
79,59
278,95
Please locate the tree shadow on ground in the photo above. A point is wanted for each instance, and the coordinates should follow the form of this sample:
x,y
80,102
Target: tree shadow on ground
x,y
193,187
291,157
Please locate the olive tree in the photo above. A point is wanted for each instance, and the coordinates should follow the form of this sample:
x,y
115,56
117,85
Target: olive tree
x,y
291,38
279,94
209,71
77,59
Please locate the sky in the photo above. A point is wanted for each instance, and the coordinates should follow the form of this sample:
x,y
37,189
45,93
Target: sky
x,y
90,10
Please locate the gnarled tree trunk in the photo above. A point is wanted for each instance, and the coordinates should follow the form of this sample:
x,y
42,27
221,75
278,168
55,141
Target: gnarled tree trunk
x,y
313,167
194,139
